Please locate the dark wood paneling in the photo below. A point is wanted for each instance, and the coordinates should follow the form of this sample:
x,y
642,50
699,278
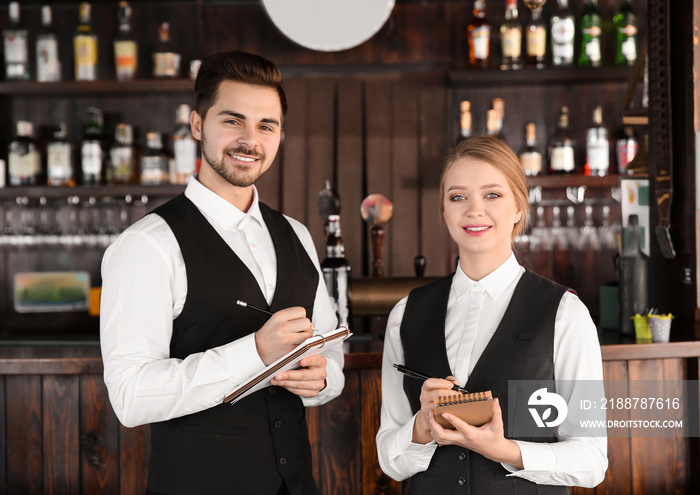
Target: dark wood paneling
x,y
134,451
24,448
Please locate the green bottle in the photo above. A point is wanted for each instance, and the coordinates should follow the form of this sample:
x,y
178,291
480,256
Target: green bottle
x,y
590,25
625,21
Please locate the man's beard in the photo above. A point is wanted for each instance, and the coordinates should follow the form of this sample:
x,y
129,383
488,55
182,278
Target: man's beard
x,y
239,177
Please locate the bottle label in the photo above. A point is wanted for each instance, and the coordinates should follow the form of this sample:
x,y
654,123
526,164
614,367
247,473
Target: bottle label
x,y
597,157
626,151
47,66
185,156
125,59
23,166
563,159
16,47
58,162
537,41
512,42
166,64
122,163
532,163
91,153
563,38
480,38
629,49
154,170
85,58
593,50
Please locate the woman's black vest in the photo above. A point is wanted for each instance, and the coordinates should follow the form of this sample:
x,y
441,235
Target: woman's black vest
x,y
522,348
262,440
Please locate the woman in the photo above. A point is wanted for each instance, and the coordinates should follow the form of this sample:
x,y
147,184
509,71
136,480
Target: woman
x,y
490,322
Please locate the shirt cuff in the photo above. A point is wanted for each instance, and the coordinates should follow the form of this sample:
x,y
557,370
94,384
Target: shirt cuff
x,y
419,454
242,354
335,381
535,456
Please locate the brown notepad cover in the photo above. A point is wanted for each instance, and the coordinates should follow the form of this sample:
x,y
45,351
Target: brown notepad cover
x,y
474,409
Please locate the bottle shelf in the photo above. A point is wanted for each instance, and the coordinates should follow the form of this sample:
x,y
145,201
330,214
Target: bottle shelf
x,y
560,181
114,191
96,87
550,75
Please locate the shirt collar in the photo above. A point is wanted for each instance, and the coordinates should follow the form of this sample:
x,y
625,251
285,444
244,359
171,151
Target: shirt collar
x,y
218,209
493,284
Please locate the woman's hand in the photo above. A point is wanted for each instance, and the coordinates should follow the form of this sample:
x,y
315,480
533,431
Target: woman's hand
x,y
487,440
432,387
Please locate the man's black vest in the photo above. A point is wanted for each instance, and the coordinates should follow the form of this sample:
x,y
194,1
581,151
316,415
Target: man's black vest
x,y
262,440
522,348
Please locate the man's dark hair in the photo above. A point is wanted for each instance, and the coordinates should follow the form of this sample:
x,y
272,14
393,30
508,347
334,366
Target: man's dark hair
x,y
235,66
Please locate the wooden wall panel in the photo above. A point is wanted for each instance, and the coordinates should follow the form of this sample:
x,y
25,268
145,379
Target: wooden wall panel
x,y
134,451
24,435
293,152
99,438
61,446
3,438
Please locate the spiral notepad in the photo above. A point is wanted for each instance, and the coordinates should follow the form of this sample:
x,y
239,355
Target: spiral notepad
x,y
474,409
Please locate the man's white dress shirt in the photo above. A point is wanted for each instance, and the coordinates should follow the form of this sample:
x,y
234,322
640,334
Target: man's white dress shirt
x,y
144,289
578,461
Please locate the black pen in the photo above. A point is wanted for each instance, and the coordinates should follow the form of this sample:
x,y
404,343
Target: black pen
x,y
246,305
421,376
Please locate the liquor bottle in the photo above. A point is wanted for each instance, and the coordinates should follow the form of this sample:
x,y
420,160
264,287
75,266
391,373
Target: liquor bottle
x,y
166,62
530,157
154,164
48,66
626,147
590,25
24,157
184,146
511,38
15,39
125,46
85,46
465,120
625,21
597,146
92,154
479,38
536,41
561,149
59,159
122,155
633,277
494,119
563,31
336,271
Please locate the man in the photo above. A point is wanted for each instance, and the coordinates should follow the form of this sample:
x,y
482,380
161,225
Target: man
x,y
174,341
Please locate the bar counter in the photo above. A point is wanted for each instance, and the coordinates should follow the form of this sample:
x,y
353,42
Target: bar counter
x,y
61,436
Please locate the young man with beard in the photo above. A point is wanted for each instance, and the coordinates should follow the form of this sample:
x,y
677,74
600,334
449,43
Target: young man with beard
x,y
175,343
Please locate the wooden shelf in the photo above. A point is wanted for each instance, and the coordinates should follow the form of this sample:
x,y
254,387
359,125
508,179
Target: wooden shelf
x,y
552,75
555,181
116,191
96,87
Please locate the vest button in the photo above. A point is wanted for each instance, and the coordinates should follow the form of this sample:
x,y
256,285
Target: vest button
x,y
278,424
462,456
283,460
461,481
271,390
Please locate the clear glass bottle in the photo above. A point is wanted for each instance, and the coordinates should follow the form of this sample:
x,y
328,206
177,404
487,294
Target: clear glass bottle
x,y
561,148
92,154
562,33
530,157
24,157
184,146
122,155
154,164
60,170
626,28
48,65
626,147
85,46
125,46
536,35
597,146
166,62
465,120
16,50
479,38
590,25
511,38
336,271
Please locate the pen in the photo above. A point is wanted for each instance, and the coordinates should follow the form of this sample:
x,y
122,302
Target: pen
x,y
421,376
246,305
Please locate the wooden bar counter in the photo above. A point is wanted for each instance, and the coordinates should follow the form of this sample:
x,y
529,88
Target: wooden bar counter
x,y
60,435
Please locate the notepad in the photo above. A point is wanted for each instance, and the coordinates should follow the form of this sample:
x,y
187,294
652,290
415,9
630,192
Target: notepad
x,y
310,347
474,409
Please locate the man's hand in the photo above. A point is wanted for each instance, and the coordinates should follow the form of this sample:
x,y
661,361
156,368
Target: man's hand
x,y
281,333
306,381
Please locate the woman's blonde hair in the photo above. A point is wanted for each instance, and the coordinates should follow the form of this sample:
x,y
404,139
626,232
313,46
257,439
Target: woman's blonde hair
x,y
497,153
